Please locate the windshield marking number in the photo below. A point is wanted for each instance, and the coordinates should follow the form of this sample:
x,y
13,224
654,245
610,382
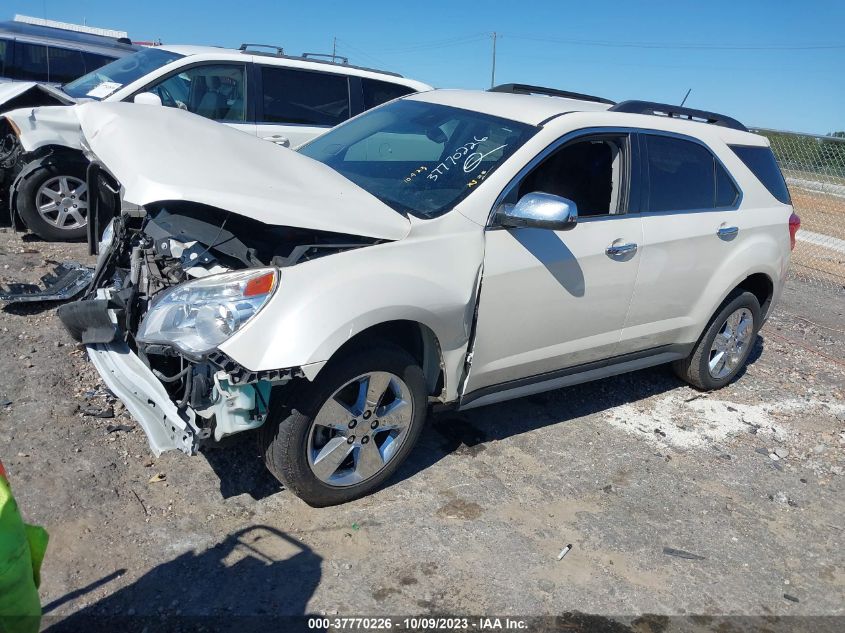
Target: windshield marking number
x,y
478,179
418,170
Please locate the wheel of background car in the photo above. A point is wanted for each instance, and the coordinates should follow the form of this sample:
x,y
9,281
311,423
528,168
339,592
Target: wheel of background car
x,y
344,434
723,349
53,201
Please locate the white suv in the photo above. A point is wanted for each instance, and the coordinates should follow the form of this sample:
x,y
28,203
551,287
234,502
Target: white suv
x,y
283,99
451,248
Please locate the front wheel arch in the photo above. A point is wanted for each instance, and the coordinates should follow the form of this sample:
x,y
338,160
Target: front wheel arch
x,y
414,337
30,163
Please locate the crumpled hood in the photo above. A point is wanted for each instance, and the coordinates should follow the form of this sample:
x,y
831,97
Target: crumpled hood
x,y
29,93
161,154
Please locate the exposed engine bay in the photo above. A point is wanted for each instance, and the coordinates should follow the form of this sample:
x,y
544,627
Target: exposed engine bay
x,y
143,255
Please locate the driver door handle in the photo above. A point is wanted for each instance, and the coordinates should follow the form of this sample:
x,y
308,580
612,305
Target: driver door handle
x,y
621,249
727,231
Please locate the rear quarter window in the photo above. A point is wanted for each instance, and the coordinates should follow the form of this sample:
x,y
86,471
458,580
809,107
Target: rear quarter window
x,y
376,92
93,61
763,164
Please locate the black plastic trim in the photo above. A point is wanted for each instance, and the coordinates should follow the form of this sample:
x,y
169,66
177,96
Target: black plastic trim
x,y
677,112
526,89
681,350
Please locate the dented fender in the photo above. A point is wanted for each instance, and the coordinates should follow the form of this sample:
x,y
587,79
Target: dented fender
x,y
47,126
430,278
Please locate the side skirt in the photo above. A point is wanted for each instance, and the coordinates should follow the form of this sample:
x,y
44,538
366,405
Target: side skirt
x,y
573,375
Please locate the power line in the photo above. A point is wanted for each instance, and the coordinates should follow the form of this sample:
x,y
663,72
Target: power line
x,y
364,54
434,44
679,46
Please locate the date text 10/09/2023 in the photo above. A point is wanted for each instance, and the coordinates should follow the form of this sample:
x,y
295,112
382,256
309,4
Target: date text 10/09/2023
x,y
480,623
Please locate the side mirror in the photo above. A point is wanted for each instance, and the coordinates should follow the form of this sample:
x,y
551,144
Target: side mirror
x,y
540,211
147,98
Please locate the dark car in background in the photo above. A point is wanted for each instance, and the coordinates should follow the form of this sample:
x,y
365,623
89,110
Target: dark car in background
x,y
48,54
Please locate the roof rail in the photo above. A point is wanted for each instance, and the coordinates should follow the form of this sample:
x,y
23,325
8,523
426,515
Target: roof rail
x,y
329,56
677,112
314,58
279,50
525,89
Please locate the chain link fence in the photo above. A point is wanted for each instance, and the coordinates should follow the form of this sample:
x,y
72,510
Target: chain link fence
x,y
814,168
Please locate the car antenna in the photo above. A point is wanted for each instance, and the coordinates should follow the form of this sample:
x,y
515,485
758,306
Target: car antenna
x,y
684,100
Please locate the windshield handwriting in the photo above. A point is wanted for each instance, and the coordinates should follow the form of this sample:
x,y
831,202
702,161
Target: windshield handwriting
x,y
458,154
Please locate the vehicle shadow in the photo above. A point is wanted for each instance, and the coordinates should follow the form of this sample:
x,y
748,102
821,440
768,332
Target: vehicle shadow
x,y
240,468
238,464
31,308
257,579
555,255
468,432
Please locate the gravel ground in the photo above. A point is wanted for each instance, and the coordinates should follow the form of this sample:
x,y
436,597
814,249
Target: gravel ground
x,y
747,482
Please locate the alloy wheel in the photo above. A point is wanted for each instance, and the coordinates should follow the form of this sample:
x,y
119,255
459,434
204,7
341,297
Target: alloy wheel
x,y
360,429
62,201
731,343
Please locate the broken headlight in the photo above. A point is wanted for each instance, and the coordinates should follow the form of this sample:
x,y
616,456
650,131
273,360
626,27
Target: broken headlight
x,y
199,315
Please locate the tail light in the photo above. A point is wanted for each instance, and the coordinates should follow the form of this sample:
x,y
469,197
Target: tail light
x,y
794,225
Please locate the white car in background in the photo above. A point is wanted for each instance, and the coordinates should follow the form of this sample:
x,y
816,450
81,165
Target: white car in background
x,y
284,99
451,248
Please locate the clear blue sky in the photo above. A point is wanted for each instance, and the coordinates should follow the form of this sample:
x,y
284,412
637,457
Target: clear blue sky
x,y
733,55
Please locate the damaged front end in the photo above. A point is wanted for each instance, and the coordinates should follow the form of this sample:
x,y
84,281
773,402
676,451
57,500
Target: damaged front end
x,y
173,281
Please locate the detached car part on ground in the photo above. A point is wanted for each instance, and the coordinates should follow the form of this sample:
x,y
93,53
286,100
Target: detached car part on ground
x,y
42,162
427,253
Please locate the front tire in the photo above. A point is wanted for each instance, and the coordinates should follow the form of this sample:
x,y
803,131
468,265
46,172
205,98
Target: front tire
x,y
342,436
723,349
52,201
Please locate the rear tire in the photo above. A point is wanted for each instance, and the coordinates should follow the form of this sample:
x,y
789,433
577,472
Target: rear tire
x,y
62,185
330,441
713,364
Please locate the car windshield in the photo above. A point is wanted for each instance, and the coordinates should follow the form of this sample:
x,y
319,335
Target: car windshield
x,y
419,157
100,83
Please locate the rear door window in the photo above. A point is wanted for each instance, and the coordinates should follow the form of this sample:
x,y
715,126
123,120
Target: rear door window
x,y
301,97
31,61
761,161
727,194
686,176
377,92
64,64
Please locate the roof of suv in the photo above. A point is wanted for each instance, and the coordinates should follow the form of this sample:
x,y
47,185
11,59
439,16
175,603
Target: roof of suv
x,y
534,109
292,61
36,32
530,109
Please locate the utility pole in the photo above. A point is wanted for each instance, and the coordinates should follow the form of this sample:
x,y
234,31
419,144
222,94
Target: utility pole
x,y
334,48
493,74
